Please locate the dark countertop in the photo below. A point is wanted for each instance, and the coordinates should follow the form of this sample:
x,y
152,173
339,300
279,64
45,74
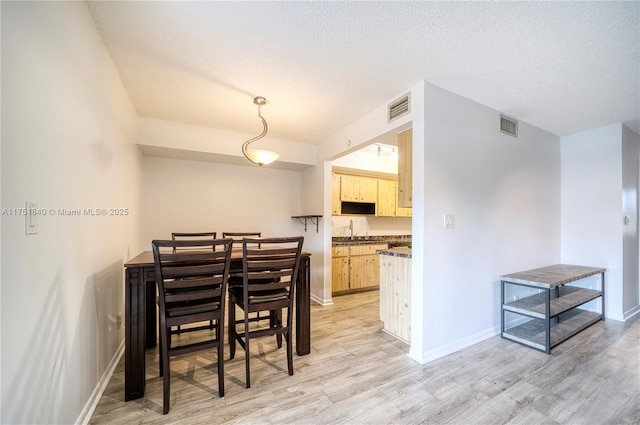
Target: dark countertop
x,y
393,240
401,251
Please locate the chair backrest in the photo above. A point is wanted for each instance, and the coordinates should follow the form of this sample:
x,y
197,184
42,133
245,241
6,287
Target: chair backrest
x,y
192,236
191,270
272,266
238,236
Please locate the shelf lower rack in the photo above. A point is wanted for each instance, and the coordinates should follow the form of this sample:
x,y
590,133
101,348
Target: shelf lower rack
x,y
532,332
567,298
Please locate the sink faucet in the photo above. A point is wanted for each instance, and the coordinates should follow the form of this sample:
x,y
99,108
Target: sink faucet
x,y
351,229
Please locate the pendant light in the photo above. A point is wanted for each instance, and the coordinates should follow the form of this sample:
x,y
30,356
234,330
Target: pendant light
x,y
259,156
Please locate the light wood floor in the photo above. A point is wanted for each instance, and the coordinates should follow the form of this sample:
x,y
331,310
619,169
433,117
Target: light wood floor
x,y
356,374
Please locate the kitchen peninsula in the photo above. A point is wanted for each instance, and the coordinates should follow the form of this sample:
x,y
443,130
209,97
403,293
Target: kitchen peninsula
x,y
395,291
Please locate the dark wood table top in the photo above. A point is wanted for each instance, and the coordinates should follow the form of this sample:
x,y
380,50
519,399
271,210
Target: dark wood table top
x,y
145,258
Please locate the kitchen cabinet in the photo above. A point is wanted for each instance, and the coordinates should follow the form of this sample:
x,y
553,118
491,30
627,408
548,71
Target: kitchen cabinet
x,y
395,292
387,190
401,211
553,314
336,205
405,168
355,267
383,192
358,189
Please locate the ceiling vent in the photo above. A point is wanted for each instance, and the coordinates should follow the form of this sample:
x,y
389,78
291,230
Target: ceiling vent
x,y
508,126
399,107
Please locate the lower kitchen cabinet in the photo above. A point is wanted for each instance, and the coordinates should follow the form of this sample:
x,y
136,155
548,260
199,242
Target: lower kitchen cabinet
x,y
355,268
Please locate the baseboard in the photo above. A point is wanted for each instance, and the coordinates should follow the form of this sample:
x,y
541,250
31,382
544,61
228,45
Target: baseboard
x,y
90,406
459,344
321,301
630,313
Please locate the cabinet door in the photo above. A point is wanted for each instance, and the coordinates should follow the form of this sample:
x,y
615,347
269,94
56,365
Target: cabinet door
x,y
336,206
358,272
364,271
368,189
386,198
405,168
403,212
349,188
339,274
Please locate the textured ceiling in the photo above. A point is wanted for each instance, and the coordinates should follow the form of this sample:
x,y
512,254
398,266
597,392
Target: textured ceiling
x,y
562,66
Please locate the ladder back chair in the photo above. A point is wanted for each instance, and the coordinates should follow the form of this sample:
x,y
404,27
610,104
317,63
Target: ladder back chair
x,y
236,278
192,284
270,272
238,236
178,236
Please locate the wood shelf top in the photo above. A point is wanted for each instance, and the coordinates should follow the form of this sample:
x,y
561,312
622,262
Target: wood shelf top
x,y
552,276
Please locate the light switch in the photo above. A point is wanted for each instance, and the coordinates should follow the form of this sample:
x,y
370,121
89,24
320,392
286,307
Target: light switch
x,y
448,221
31,218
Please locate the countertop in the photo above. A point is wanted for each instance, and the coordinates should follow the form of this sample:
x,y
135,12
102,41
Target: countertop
x,y
401,251
371,240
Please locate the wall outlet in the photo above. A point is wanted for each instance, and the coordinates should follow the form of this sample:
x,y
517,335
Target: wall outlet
x,y
516,297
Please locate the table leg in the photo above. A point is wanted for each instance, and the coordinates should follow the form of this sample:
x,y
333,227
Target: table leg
x,y
135,326
151,335
303,308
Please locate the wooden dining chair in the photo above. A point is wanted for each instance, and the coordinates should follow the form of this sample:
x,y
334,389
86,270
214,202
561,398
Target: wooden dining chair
x,y
238,236
269,276
187,236
192,284
235,279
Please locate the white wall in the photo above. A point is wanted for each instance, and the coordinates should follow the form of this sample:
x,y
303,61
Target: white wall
x,y
368,161
68,134
505,195
594,200
192,196
370,225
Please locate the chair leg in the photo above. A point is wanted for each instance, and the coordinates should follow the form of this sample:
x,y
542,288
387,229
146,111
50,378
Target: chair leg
x,y
232,329
164,368
289,337
247,352
276,321
289,351
220,359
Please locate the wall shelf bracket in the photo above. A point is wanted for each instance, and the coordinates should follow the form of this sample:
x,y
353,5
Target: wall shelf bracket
x,y
302,219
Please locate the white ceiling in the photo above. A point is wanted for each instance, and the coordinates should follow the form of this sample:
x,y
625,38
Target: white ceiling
x,y
562,66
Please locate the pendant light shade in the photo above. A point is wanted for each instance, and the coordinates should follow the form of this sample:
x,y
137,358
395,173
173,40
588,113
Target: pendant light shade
x,y
259,156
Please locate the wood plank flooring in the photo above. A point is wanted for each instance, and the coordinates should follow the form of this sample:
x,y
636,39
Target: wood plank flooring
x,y
357,374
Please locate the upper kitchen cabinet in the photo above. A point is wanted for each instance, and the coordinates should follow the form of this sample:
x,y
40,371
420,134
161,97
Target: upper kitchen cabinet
x,y
336,205
386,198
358,189
405,168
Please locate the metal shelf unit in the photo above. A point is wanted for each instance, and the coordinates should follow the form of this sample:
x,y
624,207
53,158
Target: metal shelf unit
x,y
553,313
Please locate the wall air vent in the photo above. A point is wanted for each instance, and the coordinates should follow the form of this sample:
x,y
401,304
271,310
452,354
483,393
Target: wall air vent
x,y
399,107
508,126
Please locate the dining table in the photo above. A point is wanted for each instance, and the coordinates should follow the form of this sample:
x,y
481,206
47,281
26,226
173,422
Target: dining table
x,y
141,317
